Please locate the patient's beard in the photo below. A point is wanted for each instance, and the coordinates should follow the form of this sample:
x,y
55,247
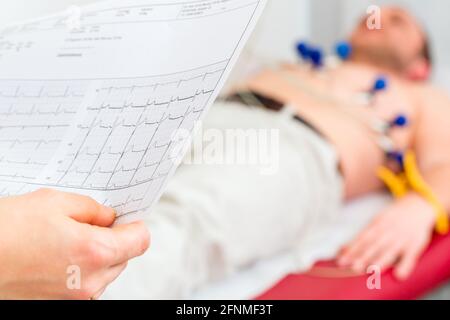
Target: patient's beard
x,y
379,57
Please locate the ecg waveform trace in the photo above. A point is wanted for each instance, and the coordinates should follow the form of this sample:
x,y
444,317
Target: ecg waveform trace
x,y
105,107
31,128
124,140
127,139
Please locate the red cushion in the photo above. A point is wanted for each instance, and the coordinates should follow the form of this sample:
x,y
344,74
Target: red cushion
x,y
326,282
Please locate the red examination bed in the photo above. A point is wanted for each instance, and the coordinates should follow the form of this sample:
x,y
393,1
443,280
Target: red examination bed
x,y
326,282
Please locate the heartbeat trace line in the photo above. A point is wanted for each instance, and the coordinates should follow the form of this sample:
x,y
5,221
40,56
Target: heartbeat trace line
x,y
122,108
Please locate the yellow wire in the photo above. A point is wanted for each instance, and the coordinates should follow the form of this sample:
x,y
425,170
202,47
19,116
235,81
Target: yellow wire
x,y
396,184
400,184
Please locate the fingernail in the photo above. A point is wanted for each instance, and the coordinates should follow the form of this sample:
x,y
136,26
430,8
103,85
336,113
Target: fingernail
x,y
110,210
358,266
401,275
342,262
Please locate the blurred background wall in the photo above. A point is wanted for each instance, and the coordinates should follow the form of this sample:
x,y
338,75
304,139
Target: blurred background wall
x,y
333,19
286,21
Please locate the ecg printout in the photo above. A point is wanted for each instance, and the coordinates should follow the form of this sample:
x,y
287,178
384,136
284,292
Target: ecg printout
x,y
96,109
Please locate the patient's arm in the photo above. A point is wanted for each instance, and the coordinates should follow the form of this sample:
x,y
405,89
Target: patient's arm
x,y
400,234
397,237
432,143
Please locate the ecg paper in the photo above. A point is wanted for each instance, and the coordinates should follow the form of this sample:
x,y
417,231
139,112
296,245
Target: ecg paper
x,y
94,109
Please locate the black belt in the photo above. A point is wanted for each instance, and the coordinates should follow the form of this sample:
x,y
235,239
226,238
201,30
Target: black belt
x,y
253,99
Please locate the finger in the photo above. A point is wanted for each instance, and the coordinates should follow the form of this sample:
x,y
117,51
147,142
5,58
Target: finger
x,y
371,254
127,241
85,209
388,258
408,262
98,294
357,248
108,277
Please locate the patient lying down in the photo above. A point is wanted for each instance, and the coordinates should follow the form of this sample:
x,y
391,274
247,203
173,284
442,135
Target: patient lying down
x,y
215,220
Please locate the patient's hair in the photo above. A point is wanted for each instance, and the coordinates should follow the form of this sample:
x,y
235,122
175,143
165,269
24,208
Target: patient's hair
x,y
426,52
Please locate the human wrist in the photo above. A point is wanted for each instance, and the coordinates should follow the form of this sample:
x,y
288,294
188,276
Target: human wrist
x,y
416,203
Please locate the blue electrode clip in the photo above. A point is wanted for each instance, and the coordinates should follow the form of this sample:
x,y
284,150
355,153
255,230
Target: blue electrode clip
x,y
316,56
381,83
398,157
310,54
344,50
383,127
400,121
303,50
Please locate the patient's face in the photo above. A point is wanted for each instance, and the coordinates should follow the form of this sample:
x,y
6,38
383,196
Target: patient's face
x,y
397,44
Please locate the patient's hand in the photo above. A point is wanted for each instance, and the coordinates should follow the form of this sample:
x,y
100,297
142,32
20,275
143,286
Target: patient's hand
x,y
396,238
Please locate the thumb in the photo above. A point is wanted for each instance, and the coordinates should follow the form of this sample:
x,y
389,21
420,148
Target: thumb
x,y
84,209
131,240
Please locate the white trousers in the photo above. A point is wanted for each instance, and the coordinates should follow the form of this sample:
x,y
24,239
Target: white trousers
x,y
216,219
